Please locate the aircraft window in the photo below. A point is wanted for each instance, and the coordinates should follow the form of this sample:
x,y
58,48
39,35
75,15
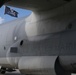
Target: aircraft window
x,y
4,47
21,43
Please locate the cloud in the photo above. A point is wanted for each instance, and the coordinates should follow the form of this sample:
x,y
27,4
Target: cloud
x,y
1,20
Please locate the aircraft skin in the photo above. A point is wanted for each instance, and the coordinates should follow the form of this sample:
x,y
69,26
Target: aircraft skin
x,y
42,43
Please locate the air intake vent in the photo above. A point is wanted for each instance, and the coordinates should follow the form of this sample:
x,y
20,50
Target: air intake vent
x,y
13,49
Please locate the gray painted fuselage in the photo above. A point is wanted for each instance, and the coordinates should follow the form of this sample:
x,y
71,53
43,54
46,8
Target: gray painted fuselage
x,y
43,46
48,39
60,43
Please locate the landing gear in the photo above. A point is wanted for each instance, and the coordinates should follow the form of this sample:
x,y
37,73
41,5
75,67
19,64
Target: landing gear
x,y
2,70
10,70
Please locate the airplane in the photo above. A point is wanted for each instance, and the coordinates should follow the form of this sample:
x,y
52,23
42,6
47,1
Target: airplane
x,y
44,43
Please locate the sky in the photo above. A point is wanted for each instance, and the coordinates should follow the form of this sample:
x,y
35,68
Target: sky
x,y
5,18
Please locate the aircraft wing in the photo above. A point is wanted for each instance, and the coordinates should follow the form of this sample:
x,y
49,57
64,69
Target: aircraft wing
x,y
37,4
